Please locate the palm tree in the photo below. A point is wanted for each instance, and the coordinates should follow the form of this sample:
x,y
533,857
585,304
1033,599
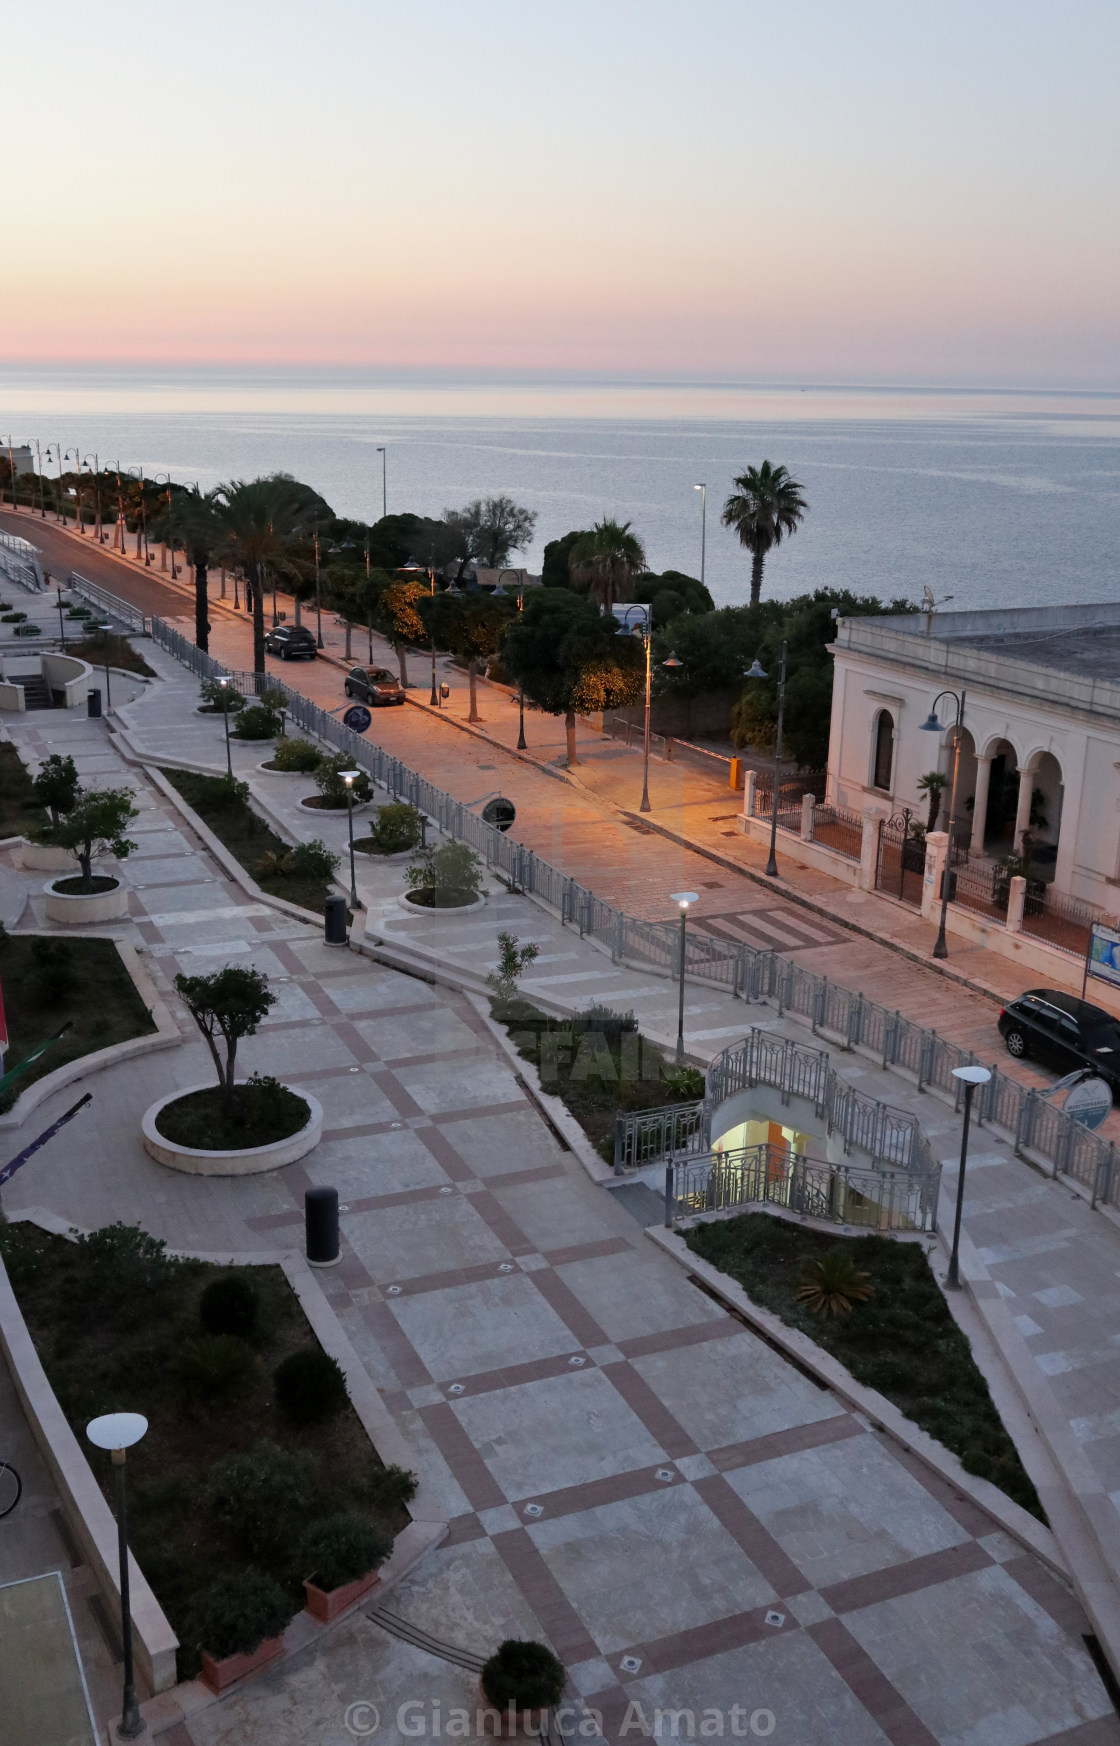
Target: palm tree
x,y
608,558
195,518
765,506
265,524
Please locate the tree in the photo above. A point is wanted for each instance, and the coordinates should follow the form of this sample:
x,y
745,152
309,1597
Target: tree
x,y
568,657
396,613
195,518
265,525
228,1004
492,528
932,786
607,560
96,825
469,627
765,506
56,786
556,571
672,595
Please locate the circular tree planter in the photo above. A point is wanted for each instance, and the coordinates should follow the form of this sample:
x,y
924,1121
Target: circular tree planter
x,y
44,858
247,1161
81,909
311,802
405,899
267,770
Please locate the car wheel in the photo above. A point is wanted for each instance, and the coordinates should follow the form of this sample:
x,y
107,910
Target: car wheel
x,y
1016,1044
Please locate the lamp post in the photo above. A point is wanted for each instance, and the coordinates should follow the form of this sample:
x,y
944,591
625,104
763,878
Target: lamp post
x,y
39,465
642,626
117,1432
159,479
142,527
522,743
933,726
75,455
384,486
350,777
683,898
970,1078
224,683
755,671
61,619
105,629
433,701
98,535
703,490
54,453
318,597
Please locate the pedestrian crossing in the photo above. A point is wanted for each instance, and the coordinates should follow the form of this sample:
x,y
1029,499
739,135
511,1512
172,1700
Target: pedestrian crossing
x,y
779,928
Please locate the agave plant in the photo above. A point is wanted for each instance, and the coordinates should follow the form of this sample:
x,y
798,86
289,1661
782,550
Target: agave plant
x,y
833,1285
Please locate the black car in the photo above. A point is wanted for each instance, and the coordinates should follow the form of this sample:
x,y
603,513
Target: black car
x,y
292,642
374,685
1060,1031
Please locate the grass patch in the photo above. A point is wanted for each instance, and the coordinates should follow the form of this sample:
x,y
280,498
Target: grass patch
x,y
20,814
260,1112
902,1341
119,650
77,887
225,808
598,1064
121,1327
47,980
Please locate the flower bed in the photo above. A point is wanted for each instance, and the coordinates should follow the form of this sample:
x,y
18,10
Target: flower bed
x,y
225,808
47,980
259,1112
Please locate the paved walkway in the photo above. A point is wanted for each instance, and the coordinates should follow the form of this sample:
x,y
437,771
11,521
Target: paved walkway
x,y
626,1469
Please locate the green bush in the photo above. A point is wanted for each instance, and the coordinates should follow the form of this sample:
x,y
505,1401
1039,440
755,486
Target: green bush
x,y
28,630
391,1488
230,1305
686,1083
225,791
452,873
256,722
527,1675
238,1613
263,1499
13,618
309,1386
118,1269
339,1549
214,1364
222,698
296,755
396,828
54,968
313,860
328,780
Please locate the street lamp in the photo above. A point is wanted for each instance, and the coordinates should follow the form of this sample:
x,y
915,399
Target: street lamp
x,y
522,743
970,1078
75,455
642,627
39,465
61,620
703,490
318,597
54,453
105,629
384,487
683,898
100,537
350,777
931,725
224,682
755,671
142,529
117,1432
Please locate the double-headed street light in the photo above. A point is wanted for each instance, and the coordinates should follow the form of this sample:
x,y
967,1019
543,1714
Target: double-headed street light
x,y
98,535
970,1078
933,726
350,777
118,1432
703,490
756,671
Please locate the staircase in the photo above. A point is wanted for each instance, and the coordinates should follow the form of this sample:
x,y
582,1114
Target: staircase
x,y
36,692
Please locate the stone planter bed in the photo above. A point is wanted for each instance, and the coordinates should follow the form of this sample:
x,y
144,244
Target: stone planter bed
x,y
220,1674
43,858
239,1161
107,902
314,803
405,899
327,1604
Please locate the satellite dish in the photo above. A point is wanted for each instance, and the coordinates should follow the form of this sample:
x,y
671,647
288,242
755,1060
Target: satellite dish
x,y
500,813
1090,1102
357,718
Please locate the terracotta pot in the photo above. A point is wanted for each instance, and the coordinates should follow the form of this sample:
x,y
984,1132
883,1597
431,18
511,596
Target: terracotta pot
x,y
220,1674
326,1604
511,1724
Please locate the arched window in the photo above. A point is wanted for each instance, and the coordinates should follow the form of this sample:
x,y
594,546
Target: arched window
x,y
884,750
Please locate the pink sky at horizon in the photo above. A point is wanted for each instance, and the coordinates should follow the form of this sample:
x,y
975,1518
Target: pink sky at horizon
x,y
866,193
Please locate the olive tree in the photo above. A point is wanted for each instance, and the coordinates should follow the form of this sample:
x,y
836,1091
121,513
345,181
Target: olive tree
x,y
226,1005
96,825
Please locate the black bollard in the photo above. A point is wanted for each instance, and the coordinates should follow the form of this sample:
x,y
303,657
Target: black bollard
x,y
334,921
93,702
320,1213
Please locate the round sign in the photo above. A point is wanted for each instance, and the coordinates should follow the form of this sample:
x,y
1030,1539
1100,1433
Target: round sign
x,y
1089,1102
500,813
358,718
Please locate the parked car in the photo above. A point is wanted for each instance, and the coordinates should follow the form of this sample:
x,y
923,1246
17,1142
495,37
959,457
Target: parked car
x,y
374,685
292,642
1061,1031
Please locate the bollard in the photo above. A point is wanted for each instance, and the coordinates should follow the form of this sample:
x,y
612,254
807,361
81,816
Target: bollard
x,y
320,1216
93,703
334,921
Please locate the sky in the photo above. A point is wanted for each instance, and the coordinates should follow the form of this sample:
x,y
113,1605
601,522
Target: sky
x,y
867,191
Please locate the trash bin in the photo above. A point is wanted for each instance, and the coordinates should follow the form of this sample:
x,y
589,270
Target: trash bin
x,y
334,920
93,702
320,1218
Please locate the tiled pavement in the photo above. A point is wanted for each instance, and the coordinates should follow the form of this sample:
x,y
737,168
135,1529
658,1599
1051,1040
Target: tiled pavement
x,y
626,1470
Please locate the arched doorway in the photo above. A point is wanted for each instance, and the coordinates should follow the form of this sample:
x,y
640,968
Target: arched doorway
x,y
1040,841
882,759
1003,800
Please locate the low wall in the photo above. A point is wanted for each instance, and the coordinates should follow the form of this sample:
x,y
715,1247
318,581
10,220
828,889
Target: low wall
x,y
68,674
816,855
11,695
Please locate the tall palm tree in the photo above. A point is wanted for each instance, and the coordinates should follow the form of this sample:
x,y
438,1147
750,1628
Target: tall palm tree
x,y
194,517
265,527
608,558
765,505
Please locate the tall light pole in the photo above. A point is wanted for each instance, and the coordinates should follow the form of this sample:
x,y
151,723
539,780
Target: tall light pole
x,y
224,682
683,898
703,490
933,726
638,621
118,1432
522,743
10,446
970,1078
96,494
755,671
54,453
350,777
165,479
39,464
384,485
105,629
75,455
318,598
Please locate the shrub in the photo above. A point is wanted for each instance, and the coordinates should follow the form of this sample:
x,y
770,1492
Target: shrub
x,y
311,860
833,1285
309,1386
527,1675
339,1549
453,873
230,1305
28,630
263,1498
226,791
391,1488
214,1364
13,618
328,780
686,1083
296,755
396,828
238,1613
220,697
53,961
512,960
117,1268
256,722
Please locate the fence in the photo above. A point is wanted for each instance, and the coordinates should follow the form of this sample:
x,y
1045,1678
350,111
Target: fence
x,y
982,886
1060,921
771,1175
19,562
839,830
668,746
122,610
747,972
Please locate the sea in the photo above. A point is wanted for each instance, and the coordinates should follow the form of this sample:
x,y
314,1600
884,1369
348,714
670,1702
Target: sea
x,y
989,497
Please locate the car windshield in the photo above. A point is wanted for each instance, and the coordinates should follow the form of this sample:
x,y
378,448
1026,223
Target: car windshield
x,y
381,677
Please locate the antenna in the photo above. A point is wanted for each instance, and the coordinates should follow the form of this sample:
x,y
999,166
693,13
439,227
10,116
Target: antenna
x,y
930,605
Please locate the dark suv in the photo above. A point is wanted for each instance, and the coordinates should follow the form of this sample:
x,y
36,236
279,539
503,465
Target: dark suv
x,y
292,642
374,685
1063,1032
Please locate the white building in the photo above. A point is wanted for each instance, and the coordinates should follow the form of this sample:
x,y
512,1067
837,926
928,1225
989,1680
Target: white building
x,y
1040,750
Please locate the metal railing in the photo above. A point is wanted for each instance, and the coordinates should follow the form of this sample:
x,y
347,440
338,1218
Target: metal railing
x,y
747,972
881,1200
838,830
982,886
1061,921
122,610
20,562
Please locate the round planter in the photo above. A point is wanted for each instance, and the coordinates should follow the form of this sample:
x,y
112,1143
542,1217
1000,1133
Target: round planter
x,y
247,1162
44,858
74,910
476,903
398,860
326,1604
287,774
328,811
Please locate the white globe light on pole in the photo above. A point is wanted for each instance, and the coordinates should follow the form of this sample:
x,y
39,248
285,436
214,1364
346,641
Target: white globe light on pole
x,y
682,899
118,1432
